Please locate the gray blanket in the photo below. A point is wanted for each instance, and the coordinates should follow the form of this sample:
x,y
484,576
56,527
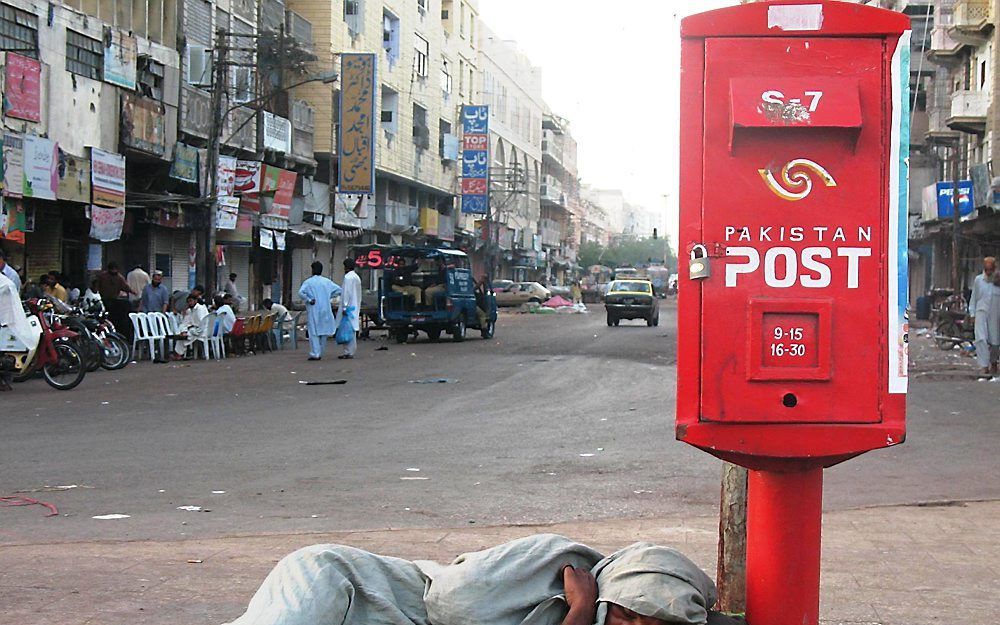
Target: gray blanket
x,y
517,583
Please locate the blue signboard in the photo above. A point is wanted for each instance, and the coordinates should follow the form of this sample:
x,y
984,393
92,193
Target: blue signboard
x,y
475,159
944,201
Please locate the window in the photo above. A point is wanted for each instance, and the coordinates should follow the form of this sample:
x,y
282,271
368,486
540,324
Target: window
x,y
84,56
390,110
242,84
444,127
461,78
390,37
423,50
18,31
354,15
149,75
421,133
445,78
422,6
199,65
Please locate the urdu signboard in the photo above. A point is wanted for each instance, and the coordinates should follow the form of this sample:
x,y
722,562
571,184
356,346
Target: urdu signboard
x,y
356,142
475,159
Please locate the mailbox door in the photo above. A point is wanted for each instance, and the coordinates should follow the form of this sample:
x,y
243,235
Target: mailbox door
x,y
794,217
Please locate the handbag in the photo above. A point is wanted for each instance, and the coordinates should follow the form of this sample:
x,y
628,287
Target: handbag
x,y
345,330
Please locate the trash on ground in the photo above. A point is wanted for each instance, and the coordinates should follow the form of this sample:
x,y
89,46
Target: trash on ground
x,y
111,517
586,455
321,382
413,479
28,501
434,381
414,469
195,561
190,508
218,492
382,349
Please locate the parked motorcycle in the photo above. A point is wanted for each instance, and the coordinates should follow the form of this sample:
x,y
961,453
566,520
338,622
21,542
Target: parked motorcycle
x,y
100,344
55,356
952,324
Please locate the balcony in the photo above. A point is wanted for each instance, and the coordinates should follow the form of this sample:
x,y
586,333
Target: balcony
x,y
550,232
968,111
396,218
972,22
944,49
552,147
551,191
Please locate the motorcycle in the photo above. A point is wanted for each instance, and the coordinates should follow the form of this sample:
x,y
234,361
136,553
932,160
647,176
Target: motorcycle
x,y
55,355
952,324
100,344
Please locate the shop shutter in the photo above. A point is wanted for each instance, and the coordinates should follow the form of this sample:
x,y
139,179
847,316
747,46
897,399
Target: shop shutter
x,y
180,240
44,245
238,262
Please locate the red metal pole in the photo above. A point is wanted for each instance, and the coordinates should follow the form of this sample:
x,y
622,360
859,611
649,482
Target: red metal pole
x,y
784,524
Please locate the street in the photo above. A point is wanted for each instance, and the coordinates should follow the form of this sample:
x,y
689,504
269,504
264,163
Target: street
x,y
559,418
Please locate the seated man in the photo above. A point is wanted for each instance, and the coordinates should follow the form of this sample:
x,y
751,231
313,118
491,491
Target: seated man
x,y
401,284
224,309
190,327
541,580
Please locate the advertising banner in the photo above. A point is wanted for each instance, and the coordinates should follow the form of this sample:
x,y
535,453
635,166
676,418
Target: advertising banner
x,y
247,176
266,239
22,88
356,141
282,183
475,159
41,179
13,164
74,178
944,200
185,164
227,213
107,178
106,223
143,124
277,133
242,235
119,58
227,176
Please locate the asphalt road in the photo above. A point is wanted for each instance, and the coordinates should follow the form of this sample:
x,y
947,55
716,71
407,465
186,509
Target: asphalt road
x,y
559,418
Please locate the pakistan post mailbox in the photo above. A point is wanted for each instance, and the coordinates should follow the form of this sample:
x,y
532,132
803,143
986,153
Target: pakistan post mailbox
x,y
793,208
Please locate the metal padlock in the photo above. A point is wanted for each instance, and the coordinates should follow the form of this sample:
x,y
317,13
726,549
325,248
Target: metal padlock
x,y
699,268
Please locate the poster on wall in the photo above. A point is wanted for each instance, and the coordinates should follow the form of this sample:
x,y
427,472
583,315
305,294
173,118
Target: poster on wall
x,y
13,164
247,176
22,88
119,58
185,164
282,183
74,178
267,239
107,178
227,176
41,178
106,223
227,213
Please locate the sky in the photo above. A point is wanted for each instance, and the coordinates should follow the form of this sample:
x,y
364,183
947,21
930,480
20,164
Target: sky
x,y
611,69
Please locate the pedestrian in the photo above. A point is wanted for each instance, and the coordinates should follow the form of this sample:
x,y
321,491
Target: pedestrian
x,y
137,280
13,318
9,271
577,292
155,296
984,307
233,291
316,293
36,290
351,298
115,291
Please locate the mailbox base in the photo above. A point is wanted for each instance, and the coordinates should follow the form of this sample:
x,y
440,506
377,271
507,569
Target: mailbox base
x,y
784,521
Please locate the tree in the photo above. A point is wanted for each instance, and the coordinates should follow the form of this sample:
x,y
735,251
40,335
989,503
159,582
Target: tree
x,y
628,252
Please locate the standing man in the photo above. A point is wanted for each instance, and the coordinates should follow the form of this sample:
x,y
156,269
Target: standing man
x,y
316,293
137,280
9,272
231,290
984,307
155,297
12,315
351,298
115,291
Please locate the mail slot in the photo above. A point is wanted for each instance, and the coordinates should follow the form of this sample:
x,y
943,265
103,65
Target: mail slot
x,y
794,179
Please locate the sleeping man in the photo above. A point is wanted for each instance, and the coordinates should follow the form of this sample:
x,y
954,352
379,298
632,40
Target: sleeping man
x,y
537,580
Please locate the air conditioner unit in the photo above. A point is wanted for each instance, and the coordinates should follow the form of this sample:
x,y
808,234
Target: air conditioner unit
x,y
199,66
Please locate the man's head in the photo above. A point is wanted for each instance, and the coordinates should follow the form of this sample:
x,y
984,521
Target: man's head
x,y
54,278
989,265
317,268
617,615
198,291
267,303
113,267
227,298
157,277
348,264
232,277
43,279
191,300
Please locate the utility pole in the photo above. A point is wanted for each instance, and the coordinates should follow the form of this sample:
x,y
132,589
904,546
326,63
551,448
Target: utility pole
x,y
214,145
731,571
956,261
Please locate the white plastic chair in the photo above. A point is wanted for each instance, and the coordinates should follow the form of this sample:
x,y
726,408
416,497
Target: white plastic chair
x,y
161,329
141,334
216,339
208,337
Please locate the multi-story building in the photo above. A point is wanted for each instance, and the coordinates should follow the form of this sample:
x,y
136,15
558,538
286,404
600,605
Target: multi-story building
x,y
954,59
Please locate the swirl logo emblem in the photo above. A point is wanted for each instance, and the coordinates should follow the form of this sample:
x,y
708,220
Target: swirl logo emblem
x,y
796,179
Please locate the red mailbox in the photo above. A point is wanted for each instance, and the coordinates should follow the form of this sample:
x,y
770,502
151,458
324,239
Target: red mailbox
x,y
792,324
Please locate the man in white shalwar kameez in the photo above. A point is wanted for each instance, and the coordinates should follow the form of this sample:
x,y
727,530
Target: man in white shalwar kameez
x,y
984,306
191,327
350,299
15,322
316,293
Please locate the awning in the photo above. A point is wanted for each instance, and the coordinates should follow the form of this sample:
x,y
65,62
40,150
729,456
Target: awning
x,y
324,234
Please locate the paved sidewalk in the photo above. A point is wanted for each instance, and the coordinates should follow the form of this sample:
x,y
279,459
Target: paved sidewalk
x,y
906,565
